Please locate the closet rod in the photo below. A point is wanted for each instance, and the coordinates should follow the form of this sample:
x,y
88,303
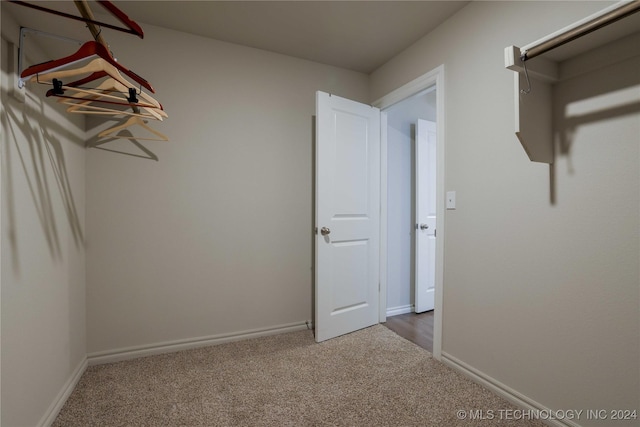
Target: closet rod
x,y
595,22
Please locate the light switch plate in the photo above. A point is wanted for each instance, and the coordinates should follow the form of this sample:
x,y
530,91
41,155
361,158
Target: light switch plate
x,y
451,199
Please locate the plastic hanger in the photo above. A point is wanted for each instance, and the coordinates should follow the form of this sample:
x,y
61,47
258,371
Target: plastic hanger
x,y
131,122
44,71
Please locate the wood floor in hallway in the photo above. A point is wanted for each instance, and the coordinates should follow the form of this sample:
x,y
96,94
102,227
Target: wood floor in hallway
x,y
417,328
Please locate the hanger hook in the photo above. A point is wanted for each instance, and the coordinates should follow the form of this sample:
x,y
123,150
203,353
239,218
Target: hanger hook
x,y
526,74
98,33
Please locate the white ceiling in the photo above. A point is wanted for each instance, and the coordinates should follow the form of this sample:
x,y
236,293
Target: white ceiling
x,y
356,35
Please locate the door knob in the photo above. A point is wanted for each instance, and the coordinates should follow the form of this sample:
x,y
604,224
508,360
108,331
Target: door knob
x,y
423,226
325,231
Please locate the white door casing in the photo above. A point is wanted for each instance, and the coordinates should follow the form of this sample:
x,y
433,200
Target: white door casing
x,y
434,78
347,216
425,182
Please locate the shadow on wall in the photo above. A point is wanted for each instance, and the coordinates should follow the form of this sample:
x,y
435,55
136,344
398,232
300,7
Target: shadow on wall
x,y
609,93
595,97
31,144
119,138
121,142
122,145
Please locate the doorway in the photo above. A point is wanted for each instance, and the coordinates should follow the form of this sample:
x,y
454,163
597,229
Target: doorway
x,y
406,267
417,328
410,266
421,99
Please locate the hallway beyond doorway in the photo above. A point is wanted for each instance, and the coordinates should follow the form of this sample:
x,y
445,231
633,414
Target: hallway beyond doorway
x,y
417,328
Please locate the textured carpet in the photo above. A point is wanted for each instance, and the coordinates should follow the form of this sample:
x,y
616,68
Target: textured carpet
x,y
372,377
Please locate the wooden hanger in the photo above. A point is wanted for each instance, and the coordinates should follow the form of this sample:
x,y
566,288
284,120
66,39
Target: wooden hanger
x,y
94,66
117,87
89,96
44,71
110,85
82,106
97,96
113,91
107,89
88,108
102,95
131,122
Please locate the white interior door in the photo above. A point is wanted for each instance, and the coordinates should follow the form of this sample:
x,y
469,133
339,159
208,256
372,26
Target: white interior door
x,y
425,215
347,216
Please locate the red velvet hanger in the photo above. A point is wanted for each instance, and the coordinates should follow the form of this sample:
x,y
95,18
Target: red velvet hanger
x,y
87,50
132,26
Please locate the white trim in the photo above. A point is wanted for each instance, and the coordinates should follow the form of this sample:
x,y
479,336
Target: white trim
x,y
402,309
440,195
433,77
382,305
127,353
503,390
57,404
416,85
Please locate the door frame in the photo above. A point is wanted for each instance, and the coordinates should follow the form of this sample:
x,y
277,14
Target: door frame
x,y
435,78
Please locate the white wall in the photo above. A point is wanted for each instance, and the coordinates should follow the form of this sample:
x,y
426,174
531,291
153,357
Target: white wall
x,y
214,236
43,255
205,235
540,297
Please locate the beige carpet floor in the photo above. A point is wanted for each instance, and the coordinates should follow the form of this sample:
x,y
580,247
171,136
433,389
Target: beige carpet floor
x,y
372,377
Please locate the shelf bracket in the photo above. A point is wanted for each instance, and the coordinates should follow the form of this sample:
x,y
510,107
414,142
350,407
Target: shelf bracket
x,y
21,47
533,112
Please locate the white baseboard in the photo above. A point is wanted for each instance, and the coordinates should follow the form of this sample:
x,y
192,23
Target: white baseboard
x,y
403,309
53,411
504,391
128,353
